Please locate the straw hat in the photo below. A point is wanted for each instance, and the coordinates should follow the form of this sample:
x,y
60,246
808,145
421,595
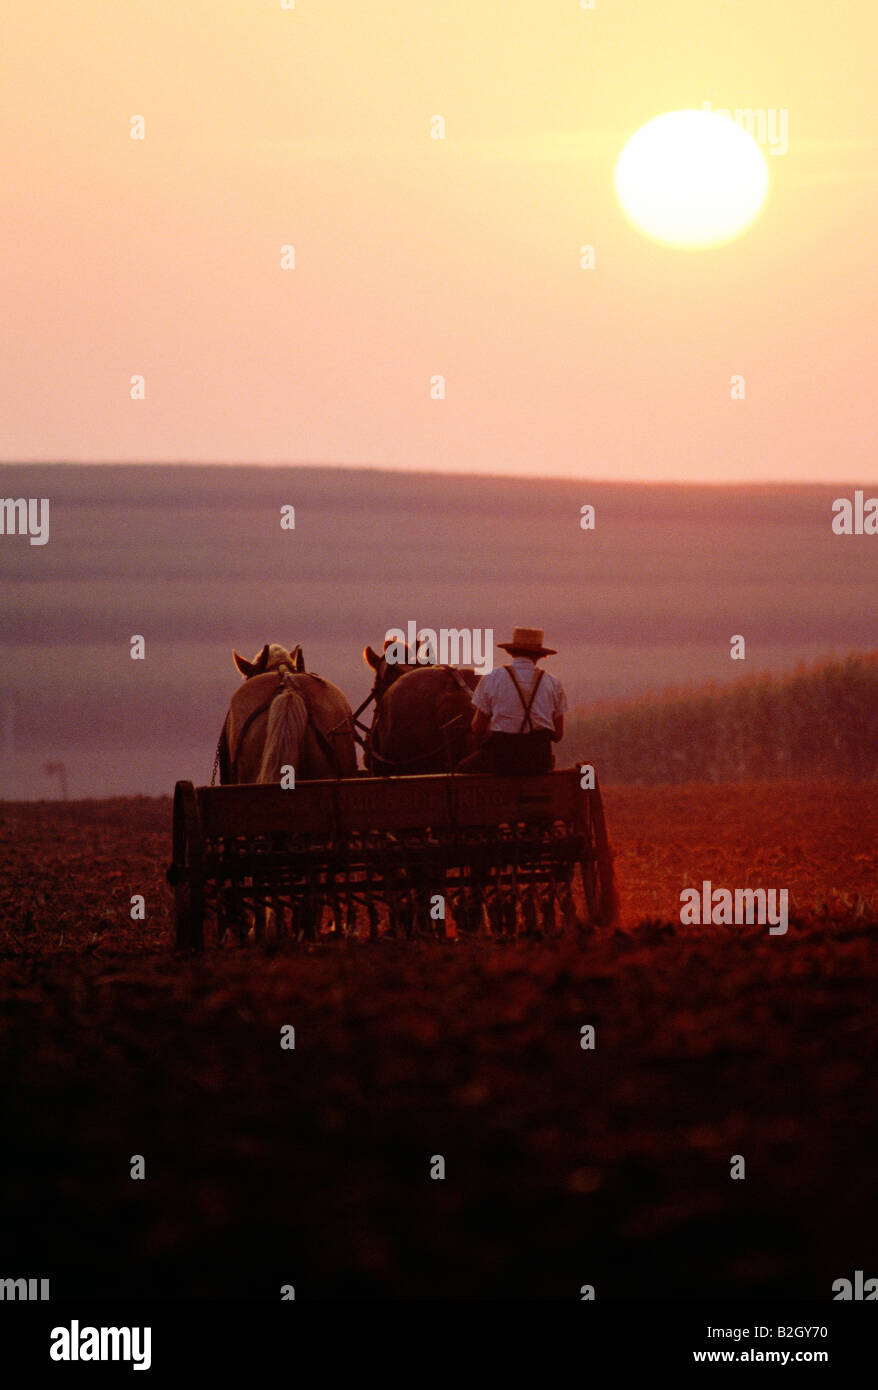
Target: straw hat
x,y
527,641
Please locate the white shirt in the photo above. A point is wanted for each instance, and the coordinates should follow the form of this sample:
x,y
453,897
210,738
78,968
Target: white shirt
x,y
496,696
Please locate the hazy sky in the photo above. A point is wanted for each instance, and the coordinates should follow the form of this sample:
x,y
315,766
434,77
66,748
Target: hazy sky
x,y
415,256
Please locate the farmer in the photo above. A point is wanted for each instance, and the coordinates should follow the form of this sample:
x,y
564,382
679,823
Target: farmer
x,y
521,710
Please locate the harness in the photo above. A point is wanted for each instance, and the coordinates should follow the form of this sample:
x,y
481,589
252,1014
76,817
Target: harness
x,y
228,765
526,704
394,766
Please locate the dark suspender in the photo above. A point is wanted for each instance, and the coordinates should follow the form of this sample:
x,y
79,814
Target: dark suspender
x,y
526,704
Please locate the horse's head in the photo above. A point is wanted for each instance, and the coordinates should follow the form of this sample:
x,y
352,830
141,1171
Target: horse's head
x,y
273,657
389,671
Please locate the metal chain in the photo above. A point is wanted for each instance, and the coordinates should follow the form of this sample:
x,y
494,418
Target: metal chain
x,y
216,761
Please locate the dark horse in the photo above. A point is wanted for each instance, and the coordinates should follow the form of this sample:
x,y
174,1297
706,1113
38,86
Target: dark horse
x,y
422,716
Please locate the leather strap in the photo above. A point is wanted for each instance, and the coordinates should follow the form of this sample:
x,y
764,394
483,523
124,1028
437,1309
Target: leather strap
x,y
325,744
458,678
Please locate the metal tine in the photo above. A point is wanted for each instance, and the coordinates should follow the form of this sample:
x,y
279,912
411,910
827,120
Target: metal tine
x,y
300,926
248,858
517,903
333,872
259,924
343,888
369,859
235,887
315,907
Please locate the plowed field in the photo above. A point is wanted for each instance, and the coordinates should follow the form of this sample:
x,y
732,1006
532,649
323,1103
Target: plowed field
x,y
563,1167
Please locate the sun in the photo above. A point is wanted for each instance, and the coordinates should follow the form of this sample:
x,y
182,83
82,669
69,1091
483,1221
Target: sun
x,y
691,179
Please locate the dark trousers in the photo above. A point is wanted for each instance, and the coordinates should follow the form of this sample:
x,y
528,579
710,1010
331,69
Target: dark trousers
x,y
512,755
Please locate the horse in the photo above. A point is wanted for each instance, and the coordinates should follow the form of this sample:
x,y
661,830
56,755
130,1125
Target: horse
x,y
423,715
284,716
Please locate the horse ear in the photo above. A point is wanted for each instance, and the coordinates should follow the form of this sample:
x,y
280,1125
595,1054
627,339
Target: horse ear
x,y
298,658
252,668
371,658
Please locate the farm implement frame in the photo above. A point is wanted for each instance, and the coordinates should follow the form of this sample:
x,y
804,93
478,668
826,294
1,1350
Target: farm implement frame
x,y
439,854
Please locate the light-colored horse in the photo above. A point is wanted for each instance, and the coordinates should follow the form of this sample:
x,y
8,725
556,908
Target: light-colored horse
x,y
284,716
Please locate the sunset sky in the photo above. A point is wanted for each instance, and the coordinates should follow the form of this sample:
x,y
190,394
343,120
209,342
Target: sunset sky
x,y
417,256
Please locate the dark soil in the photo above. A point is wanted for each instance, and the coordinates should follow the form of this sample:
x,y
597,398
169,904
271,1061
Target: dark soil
x,y
563,1167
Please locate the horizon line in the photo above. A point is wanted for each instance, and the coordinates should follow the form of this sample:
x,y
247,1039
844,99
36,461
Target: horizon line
x,y
406,471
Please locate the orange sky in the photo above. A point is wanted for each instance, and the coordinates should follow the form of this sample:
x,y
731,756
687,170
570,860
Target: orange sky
x,y
416,256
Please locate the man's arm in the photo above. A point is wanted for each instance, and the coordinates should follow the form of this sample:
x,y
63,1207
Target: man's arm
x,y
480,723
559,728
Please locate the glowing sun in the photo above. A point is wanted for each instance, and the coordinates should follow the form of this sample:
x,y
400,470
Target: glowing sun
x,y
691,178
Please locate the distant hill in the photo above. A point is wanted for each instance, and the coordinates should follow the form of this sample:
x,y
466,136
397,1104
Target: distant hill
x,y
820,721
194,559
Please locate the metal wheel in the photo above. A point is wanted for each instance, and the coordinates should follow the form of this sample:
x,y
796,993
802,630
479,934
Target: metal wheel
x,y
187,871
606,898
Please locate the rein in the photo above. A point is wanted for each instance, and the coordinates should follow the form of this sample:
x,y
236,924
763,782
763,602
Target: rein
x,y
357,721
